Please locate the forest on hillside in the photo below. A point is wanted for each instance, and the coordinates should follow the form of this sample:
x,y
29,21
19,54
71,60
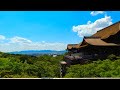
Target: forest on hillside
x,y
25,66
108,68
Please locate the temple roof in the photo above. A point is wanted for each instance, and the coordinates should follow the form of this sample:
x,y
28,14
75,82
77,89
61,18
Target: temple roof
x,y
70,46
98,42
97,38
108,31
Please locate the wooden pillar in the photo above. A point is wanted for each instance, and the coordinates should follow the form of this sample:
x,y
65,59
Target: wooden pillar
x,y
63,66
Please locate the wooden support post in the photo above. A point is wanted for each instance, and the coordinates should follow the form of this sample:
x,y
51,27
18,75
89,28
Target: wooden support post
x,y
63,65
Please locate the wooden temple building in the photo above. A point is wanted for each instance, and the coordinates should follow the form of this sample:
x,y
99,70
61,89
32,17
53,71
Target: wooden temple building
x,y
104,42
101,44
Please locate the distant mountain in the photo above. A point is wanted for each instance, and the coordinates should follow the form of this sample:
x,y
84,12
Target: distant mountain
x,y
39,52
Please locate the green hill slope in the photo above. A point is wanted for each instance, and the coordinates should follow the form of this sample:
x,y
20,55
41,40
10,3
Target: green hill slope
x,y
25,66
101,68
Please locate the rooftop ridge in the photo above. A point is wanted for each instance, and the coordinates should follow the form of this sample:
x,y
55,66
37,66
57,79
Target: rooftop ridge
x,y
108,26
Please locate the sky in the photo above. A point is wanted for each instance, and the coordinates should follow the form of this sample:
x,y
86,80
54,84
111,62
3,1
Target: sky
x,y
50,30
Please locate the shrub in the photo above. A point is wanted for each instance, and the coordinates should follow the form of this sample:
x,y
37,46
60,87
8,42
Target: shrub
x,y
112,57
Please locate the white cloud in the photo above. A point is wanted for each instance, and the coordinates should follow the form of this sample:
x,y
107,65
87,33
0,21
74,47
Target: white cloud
x,y
92,27
2,37
18,44
17,39
94,13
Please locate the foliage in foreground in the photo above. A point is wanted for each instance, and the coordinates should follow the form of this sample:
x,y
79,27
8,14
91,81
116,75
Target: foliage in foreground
x,y
23,66
101,68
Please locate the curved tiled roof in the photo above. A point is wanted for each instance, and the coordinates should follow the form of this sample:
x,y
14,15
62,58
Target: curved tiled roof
x,y
70,46
98,42
108,31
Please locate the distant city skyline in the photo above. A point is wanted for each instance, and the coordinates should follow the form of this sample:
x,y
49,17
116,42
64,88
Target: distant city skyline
x,y
50,30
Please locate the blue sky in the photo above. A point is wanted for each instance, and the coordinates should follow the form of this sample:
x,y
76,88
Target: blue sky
x,y
38,30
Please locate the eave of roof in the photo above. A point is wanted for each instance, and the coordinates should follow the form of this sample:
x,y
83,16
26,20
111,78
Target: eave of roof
x,y
70,46
99,42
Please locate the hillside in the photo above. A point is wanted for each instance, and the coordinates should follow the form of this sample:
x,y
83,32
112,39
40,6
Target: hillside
x,y
108,68
26,66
